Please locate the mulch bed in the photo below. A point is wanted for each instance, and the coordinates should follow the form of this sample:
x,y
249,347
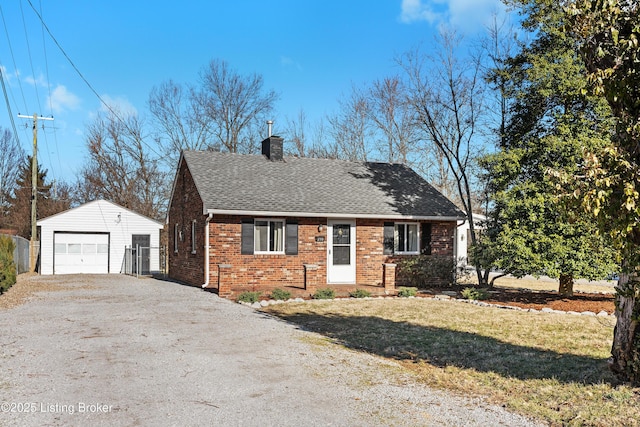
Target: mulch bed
x,y
538,300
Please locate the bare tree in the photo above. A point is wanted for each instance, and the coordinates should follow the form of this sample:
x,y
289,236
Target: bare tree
x,y
350,128
297,133
121,168
10,161
448,102
307,139
236,106
179,123
498,46
393,117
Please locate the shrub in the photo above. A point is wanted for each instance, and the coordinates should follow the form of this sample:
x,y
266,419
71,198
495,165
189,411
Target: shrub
x,y
7,266
405,292
249,297
360,293
326,293
280,294
475,293
425,270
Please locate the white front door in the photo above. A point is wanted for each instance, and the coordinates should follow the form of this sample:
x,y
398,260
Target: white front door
x,y
341,251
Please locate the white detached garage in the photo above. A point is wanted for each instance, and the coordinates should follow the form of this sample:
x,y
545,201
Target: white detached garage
x,y
93,238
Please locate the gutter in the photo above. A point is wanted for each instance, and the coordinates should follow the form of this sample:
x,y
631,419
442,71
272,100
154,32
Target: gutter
x,y
331,215
206,251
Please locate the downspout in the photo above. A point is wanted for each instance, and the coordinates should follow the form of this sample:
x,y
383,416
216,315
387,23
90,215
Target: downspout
x,y
455,245
206,251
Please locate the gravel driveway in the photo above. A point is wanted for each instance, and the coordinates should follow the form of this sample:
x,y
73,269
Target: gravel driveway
x,y
119,351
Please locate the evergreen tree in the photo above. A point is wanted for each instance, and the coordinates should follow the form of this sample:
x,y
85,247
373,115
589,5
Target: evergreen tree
x,y
533,229
48,203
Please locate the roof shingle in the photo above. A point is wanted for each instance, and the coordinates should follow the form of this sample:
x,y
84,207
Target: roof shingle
x,y
306,187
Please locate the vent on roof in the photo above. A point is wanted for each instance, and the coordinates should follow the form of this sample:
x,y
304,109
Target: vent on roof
x,y
272,148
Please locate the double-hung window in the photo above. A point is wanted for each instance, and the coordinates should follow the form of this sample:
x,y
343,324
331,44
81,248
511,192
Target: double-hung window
x,y
405,238
193,236
268,236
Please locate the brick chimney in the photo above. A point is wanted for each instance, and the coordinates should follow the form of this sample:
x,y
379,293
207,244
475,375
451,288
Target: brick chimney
x,y
272,148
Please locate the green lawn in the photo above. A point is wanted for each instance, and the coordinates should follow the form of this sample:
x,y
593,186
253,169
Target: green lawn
x,y
548,366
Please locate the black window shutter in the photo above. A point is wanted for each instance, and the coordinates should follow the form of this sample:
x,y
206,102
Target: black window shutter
x,y
388,238
247,237
291,233
425,238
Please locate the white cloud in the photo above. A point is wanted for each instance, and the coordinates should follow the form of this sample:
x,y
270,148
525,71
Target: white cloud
x,y
61,99
474,13
286,62
7,77
463,15
36,81
415,10
119,104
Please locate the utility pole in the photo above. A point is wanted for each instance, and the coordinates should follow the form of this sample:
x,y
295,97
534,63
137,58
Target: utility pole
x,y
34,190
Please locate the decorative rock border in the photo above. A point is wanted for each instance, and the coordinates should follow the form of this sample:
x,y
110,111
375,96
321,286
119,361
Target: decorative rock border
x,y
440,297
532,310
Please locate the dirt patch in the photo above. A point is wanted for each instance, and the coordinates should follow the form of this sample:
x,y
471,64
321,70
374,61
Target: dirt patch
x,y
29,285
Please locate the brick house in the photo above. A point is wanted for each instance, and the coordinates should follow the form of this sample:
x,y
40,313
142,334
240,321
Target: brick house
x,y
258,222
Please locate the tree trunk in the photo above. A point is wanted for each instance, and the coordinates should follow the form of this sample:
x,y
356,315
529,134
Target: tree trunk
x,y
481,282
625,351
566,285
485,278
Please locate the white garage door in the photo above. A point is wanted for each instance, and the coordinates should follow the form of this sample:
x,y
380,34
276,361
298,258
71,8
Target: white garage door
x,y
81,253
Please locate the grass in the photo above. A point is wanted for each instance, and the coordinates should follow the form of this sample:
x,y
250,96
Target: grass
x,y
546,366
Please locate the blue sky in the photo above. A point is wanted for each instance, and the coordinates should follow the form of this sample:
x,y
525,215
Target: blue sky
x,y
309,51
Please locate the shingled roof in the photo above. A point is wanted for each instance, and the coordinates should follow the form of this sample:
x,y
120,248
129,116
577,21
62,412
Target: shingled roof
x,y
254,185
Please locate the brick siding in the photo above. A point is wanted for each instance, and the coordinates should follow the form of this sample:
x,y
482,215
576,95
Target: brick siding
x,y
186,206
231,272
264,271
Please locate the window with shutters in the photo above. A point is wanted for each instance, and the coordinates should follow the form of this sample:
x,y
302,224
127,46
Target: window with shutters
x,y
406,238
268,236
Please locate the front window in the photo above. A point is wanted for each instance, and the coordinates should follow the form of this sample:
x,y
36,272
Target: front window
x,y
269,236
406,238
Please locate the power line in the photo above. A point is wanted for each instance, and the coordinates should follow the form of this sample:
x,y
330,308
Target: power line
x,y
13,58
26,38
6,98
107,106
55,135
35,82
